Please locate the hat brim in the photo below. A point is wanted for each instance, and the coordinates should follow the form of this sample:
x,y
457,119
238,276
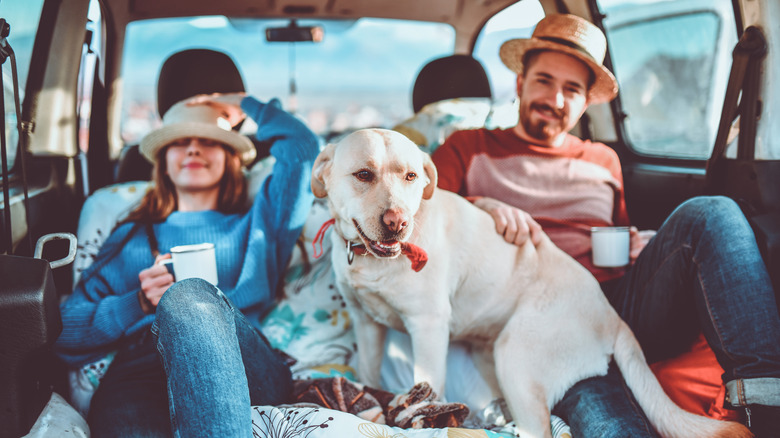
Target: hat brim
x,y
151,144
604,87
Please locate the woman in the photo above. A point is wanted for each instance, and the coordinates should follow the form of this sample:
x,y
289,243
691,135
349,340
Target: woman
x,y
215,363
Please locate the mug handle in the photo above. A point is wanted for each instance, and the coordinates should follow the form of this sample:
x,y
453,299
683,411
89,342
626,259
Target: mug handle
x,y
169,266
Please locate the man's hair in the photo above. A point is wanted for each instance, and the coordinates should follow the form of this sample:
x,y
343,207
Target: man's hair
x,y
161,200
531,56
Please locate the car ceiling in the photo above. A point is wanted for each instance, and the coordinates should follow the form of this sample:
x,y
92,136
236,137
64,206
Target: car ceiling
x,y
466,16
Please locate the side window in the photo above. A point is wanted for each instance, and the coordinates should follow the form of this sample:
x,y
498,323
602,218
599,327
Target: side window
x,y
23,17
672,61
516,21
90,59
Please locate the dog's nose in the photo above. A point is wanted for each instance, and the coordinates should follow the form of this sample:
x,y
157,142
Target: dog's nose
x,y
394,220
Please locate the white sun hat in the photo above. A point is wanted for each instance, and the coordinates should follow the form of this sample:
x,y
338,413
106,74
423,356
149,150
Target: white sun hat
x,y
196,120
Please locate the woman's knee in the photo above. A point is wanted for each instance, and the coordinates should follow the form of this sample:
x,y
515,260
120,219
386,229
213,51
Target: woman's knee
x,y
192,296
188,292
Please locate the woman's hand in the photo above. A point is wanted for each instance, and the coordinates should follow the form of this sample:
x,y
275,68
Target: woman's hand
x,y
155,280
228,103
638,242
514,224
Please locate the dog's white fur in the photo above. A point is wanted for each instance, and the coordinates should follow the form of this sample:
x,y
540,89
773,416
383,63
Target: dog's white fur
x,y
536,318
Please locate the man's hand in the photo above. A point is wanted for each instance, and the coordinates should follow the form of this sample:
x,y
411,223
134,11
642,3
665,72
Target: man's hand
x,y
639,240
155,280
514,224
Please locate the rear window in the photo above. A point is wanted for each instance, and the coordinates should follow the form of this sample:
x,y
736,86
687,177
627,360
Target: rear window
x,y
360,75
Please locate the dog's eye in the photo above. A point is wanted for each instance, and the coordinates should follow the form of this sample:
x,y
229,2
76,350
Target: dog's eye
x,y
411,176
364,175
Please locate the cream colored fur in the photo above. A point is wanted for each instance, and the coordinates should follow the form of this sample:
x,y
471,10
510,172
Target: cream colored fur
x,y
537,319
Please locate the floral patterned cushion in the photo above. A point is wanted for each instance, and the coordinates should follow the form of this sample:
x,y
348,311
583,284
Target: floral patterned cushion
x,y
315,422
310,323
436,121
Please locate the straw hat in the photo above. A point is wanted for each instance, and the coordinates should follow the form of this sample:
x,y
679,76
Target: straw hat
x,y
574,36
199,120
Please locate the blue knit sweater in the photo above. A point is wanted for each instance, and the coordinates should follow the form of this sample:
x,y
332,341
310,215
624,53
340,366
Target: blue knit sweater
x,y
252,249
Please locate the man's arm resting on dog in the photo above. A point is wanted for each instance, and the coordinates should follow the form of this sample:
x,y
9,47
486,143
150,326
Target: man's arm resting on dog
x,y
517,226
514,224
451,160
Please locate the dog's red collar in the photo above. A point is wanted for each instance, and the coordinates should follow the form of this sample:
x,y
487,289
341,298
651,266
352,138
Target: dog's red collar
x,y
416,255
320,237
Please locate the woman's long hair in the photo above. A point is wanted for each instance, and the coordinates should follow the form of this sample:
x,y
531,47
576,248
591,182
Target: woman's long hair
x,y
161,200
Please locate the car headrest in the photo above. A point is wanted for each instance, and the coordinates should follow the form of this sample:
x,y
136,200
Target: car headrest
x,y
184,74
448,78
196,71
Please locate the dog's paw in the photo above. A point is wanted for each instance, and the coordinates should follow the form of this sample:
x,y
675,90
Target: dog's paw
x,y
419,409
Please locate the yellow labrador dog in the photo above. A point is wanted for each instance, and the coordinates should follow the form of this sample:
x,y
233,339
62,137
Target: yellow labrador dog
x,y
536,317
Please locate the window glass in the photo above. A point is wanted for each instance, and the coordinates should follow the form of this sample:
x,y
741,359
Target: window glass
x,y
671,60
360,75
90,55
516,21
23,17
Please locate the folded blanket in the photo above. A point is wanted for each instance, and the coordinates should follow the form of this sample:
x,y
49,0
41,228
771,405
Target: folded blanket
x,y
417,408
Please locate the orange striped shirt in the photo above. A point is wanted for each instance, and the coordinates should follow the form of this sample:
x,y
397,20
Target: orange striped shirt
x,y
566,189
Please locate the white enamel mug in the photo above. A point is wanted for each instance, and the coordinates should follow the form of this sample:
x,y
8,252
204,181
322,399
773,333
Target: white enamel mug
x,y
195,261
610,246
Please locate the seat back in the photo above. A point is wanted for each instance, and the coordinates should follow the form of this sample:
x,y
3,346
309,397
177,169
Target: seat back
x,y
29,325
450,94
448,78
196,71
183,74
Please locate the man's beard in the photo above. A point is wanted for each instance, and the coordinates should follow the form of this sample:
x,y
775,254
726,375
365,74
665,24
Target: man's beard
x,y
542,129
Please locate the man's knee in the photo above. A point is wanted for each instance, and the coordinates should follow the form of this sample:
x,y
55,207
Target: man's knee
x,y
709,207
713,213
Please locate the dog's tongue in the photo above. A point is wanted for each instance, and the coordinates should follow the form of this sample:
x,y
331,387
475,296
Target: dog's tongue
x,y
416,255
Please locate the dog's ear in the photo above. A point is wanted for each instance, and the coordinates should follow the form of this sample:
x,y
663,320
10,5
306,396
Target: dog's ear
x,y
432,174
320,171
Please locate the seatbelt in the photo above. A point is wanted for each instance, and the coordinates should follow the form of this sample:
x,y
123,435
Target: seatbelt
x,y
7,52
743,79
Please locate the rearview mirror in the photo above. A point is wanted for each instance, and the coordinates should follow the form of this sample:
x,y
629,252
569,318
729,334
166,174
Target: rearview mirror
x,y
294,33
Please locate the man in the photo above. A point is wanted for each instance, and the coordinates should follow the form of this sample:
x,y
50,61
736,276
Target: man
x,y
701,273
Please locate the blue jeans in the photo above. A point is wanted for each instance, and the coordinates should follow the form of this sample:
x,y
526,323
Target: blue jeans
x,y
131,400
217,364
702,272
198,376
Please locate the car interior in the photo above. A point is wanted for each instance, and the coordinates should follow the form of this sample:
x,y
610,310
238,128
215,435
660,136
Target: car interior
x,y
84,80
